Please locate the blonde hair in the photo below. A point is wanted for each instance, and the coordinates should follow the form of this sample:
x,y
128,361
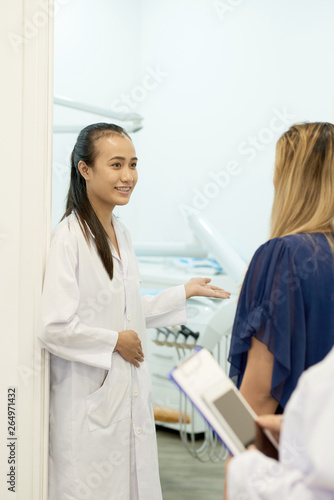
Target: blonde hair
x,y
304,181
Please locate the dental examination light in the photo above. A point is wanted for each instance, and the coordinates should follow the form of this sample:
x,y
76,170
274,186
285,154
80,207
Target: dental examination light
x,y
134,119
75,129
170,249
215,244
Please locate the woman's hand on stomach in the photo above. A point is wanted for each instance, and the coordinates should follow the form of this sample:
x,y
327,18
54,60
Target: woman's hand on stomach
x,y
129,347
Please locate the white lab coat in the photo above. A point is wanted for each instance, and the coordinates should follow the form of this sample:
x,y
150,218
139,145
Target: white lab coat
x,y
102,434
306,467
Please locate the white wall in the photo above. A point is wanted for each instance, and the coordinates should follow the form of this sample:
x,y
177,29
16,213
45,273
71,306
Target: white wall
x,y
97,47
25,208
226,73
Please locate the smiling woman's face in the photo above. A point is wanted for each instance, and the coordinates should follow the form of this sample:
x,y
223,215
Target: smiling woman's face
x,y
112,178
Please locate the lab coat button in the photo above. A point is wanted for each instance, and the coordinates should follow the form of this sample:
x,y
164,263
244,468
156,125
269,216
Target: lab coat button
x,y
138,430
128,317
135,392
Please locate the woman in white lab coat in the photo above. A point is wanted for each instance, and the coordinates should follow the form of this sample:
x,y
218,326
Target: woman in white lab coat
x,y
102,434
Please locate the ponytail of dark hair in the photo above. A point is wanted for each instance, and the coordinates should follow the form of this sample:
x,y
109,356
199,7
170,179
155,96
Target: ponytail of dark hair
x,y
77,199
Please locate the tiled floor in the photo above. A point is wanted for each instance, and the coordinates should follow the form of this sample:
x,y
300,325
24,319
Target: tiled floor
x,y
184,477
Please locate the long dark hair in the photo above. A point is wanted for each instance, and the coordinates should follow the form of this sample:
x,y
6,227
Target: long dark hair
x,y
77,199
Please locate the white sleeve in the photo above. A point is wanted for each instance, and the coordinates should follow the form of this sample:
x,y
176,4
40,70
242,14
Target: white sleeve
x,y
167,308
253,476
61,331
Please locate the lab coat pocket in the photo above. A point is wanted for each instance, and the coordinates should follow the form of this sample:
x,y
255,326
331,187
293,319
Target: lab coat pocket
x,y
111,402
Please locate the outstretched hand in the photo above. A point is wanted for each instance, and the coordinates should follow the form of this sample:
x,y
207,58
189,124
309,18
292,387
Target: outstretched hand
x,y
200,287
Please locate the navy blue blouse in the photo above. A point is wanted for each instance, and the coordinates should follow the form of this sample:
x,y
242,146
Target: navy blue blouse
x,y
286,302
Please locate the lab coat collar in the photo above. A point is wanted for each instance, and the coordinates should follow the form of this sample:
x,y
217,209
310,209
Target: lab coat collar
x,y
119,228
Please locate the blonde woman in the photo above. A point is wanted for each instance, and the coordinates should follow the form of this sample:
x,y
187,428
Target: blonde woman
x,y
285,316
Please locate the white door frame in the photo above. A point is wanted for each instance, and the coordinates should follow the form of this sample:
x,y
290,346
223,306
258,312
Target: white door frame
x,y
25,218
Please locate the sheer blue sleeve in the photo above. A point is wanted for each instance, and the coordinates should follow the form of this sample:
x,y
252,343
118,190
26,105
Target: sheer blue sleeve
x,y
271,309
